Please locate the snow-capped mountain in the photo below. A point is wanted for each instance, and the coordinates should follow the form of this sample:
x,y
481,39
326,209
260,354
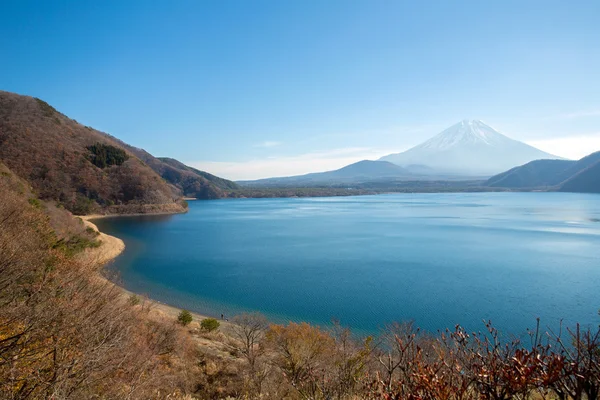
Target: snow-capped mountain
x,y
469,148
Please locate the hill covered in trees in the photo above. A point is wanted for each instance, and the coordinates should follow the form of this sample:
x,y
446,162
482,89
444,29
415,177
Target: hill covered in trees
x,y
191,182
64,332
560,175
586,177
87,171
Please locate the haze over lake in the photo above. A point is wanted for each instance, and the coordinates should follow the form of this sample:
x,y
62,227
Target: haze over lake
x,y
440,259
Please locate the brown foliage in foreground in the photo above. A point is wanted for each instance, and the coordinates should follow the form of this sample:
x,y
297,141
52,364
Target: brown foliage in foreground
x,y
65,333
300,361
307,362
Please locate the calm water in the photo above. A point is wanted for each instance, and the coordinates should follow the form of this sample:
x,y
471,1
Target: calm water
x,y
439,259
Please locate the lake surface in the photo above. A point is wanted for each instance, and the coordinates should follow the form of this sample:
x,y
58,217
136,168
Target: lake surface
x,y
439,259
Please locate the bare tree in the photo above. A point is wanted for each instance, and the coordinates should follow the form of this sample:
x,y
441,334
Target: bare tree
x,y
399,352
581,359
248,332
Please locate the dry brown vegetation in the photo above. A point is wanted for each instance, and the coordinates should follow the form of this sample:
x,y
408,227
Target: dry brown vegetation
x,y
64,333
56,155
190,181
300,361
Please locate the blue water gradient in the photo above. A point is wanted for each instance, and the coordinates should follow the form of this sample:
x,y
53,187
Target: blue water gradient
x,y
440,259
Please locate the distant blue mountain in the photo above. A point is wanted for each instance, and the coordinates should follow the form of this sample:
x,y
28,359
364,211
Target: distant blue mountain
x,y
362,171
561,175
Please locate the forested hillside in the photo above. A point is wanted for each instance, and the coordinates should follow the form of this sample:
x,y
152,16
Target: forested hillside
x,y
586,178
64,332
562,175
539,173
190,181
87,171
221,183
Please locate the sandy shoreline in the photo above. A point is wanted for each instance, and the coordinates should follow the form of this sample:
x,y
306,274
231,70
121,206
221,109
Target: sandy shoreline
x,y
110,248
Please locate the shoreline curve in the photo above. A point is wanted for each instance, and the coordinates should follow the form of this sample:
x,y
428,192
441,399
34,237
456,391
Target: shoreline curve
x,y
110,249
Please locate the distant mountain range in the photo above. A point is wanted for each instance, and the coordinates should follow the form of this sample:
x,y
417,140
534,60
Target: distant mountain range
x,y
561,175
88,171
362,171
469,148
365,173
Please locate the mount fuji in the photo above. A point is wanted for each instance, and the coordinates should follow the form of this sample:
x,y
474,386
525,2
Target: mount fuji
x,y
469,148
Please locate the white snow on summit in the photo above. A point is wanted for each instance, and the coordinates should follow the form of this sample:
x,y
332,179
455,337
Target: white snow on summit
x,y
464,132
469,147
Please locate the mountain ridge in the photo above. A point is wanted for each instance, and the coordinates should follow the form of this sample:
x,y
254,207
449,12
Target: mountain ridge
x,y
561,175
190,181
469,147
364,170
82,169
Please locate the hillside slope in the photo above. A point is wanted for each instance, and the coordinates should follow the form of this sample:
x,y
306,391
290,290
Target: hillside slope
x,y
538,173
190,181
69,234
85,170
221,183
562,175
66,333
586,179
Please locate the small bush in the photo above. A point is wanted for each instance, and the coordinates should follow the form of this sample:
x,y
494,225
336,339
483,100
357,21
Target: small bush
x,y
210,324
184,317
76,244
133,300
82,205
92,231
35,203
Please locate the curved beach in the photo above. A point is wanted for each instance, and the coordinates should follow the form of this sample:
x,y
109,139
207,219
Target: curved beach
x,y
110,249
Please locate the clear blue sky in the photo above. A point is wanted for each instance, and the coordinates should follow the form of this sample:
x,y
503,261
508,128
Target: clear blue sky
x,y
249,89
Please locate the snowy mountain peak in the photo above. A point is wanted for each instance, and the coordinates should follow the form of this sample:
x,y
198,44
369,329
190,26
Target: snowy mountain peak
x,y
464,133
469,147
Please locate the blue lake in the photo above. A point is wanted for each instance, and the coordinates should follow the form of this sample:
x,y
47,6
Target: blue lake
x,y
439,259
